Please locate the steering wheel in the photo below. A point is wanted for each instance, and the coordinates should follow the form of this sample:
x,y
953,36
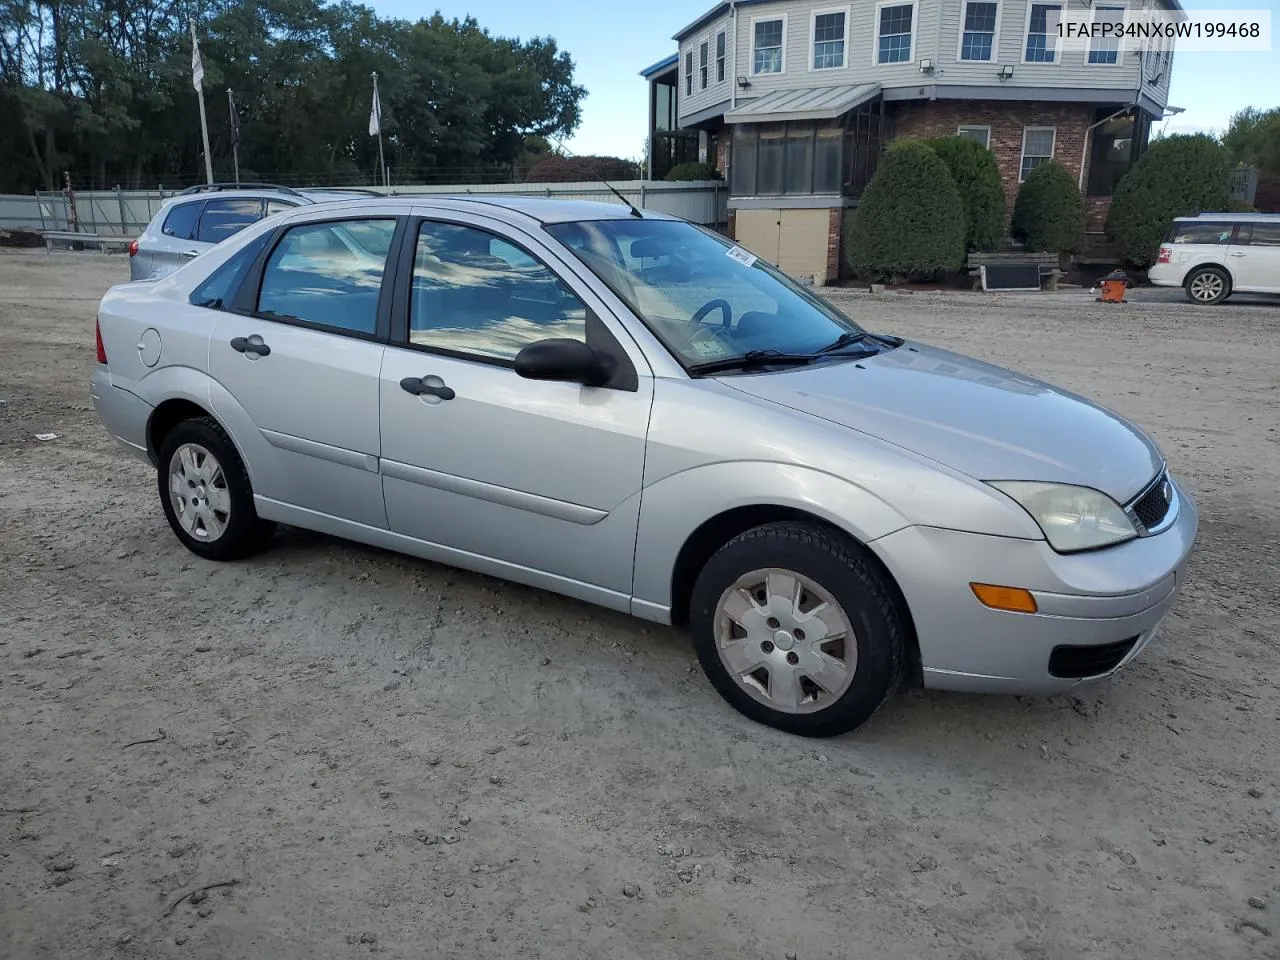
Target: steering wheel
x,y
726,312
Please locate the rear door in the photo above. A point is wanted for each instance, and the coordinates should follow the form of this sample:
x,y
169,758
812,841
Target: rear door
x,y
173,243
223,217
1255,258
301,355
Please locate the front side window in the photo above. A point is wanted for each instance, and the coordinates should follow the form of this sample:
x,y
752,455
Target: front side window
x,y
328,275
767,46
478,296
1106,49
975,133
702,64
895,33
225,218
977,41
1042,33
828,40
221,285
181,220
706,299
1261,234
1037,148
720,45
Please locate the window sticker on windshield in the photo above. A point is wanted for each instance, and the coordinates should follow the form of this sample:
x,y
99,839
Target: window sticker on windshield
x,y
744,257
709,348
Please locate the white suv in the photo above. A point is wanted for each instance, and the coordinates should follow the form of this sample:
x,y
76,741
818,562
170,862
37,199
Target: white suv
x,y
1217,254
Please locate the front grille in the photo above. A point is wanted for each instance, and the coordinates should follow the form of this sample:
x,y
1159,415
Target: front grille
x,y
1153,506
1072,663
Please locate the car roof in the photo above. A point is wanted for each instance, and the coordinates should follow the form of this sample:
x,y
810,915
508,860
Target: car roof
x,y
1228,216
542,210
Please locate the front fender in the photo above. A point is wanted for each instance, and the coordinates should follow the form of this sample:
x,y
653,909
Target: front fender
x,y
674,507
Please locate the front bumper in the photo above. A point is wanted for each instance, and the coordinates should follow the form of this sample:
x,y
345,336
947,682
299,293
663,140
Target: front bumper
x,y
1096,611
123,414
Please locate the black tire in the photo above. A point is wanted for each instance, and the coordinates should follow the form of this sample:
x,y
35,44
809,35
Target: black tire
x,y
1207,275
841,567
246,533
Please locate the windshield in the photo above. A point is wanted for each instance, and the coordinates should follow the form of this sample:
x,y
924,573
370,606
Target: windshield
x,y
708,300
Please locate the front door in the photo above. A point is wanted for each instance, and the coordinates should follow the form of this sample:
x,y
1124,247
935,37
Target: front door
x,y
1255,258
303,363
542,477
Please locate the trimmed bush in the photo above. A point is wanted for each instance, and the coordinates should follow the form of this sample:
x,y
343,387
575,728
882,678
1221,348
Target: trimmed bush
x,y
1178,176
1048,215
559,169
973,168
909,223
693,171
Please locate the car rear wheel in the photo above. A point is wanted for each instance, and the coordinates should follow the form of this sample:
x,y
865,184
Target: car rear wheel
x,y
797,629
1208,285
206,495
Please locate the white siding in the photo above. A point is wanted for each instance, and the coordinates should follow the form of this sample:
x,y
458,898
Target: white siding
x,y
715,92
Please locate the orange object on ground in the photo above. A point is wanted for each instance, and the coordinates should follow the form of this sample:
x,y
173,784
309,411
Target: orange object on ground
x,y
1113,287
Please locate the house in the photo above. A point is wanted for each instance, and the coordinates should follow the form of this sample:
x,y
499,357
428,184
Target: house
x,y
794,100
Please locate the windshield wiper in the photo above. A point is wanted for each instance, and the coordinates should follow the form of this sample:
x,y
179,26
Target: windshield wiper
x,y
848,340
754,358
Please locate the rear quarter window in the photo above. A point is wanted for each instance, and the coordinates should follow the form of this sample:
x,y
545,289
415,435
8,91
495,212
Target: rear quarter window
x,y
181,220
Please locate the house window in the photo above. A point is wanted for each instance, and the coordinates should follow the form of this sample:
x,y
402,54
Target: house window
x,y
806,157
702,65
829,37
766,36
720,57
895,32
977,40
1042,32
976,133
688,74
1037,148
1106,49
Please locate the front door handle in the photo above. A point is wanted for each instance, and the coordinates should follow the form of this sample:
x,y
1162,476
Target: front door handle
x,y
191,254
252,346
427,386
1236,253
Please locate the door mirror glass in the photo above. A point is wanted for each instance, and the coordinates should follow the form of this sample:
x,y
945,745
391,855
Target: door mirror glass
x,y
564,359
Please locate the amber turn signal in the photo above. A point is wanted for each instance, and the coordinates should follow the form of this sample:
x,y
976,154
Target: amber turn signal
x,y
1004,598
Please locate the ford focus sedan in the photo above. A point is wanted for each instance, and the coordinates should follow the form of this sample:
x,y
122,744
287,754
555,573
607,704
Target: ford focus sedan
x,y
629,409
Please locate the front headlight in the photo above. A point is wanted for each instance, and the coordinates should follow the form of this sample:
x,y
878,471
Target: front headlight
x,y
1072,518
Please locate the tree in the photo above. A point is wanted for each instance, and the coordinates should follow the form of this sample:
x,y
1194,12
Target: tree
x,y
973,168
910,220
560,169
1048,214
1253,138
1178,176
693,171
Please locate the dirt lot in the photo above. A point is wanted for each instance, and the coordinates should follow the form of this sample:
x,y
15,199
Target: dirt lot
x,y
397,758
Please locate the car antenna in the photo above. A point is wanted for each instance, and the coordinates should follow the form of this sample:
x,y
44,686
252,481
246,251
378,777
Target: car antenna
x,y
617,193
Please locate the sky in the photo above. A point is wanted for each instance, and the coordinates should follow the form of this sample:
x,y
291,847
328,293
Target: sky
x,y
610,44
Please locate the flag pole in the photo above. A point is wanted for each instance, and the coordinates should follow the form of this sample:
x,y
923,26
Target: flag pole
x,y
235,135
377,106
198,76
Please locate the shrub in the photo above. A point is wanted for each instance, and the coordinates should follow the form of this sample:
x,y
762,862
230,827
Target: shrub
x,y
910,220
1048,214
973,168
1178,176
558,169
693,171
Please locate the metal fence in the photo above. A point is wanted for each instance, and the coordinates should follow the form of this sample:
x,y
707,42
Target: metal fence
x,y
127,212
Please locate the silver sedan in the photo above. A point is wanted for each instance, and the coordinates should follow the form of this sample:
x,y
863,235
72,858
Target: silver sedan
x,y
632,410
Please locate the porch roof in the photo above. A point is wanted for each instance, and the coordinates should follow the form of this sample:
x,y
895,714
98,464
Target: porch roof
x,y
814,103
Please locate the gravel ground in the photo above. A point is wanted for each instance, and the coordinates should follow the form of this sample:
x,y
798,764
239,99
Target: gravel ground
x,y
366,753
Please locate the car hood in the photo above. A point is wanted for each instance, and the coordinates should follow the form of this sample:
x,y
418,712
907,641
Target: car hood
x,y
985,421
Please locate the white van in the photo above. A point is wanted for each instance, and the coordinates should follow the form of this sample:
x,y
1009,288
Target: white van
x,y
1217,254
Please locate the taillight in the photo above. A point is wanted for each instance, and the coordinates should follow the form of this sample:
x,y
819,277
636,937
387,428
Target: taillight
x,y
97,335
1166,254
133,248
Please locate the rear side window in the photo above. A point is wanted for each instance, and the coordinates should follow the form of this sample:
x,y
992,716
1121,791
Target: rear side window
x,y
328,274
223,218
181,221
1196,232
216,292
276,206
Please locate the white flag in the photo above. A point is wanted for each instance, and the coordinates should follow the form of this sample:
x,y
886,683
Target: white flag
x,y
197,68
375,114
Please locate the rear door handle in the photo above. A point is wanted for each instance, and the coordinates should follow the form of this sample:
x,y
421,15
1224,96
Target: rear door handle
x,y
427,386
250,345
1235,254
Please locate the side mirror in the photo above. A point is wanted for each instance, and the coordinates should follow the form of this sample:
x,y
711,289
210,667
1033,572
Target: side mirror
x,y
565,359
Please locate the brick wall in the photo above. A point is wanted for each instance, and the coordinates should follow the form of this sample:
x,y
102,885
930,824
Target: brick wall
x,y
721,158
732,225
1095,213
940,118
833,244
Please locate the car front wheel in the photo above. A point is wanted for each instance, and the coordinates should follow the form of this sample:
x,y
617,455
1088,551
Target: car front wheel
x,y
1208,285
797,629
205,492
